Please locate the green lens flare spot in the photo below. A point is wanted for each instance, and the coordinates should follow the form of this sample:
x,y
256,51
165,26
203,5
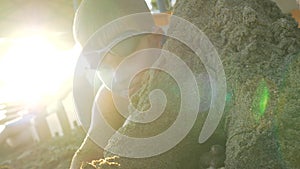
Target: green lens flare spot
x,y
260,101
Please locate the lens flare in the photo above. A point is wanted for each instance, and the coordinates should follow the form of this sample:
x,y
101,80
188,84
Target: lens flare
x,y
33,68
260,102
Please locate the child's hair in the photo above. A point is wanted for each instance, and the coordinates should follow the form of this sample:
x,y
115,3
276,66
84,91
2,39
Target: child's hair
x,y
93,14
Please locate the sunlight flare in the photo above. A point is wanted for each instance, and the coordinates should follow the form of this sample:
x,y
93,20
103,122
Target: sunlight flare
x,y
33,68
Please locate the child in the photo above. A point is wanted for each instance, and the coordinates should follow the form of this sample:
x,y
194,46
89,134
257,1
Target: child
x,y
91,16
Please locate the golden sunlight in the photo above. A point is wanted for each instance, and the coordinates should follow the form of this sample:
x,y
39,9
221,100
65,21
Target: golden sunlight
x,y
33,68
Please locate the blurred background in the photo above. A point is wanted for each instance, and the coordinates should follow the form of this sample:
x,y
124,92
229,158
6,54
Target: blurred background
x,y
37,58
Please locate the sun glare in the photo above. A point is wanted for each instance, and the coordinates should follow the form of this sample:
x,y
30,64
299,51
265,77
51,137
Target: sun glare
x,y
33,68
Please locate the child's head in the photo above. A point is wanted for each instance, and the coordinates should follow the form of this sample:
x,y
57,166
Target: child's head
x,y
93,14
